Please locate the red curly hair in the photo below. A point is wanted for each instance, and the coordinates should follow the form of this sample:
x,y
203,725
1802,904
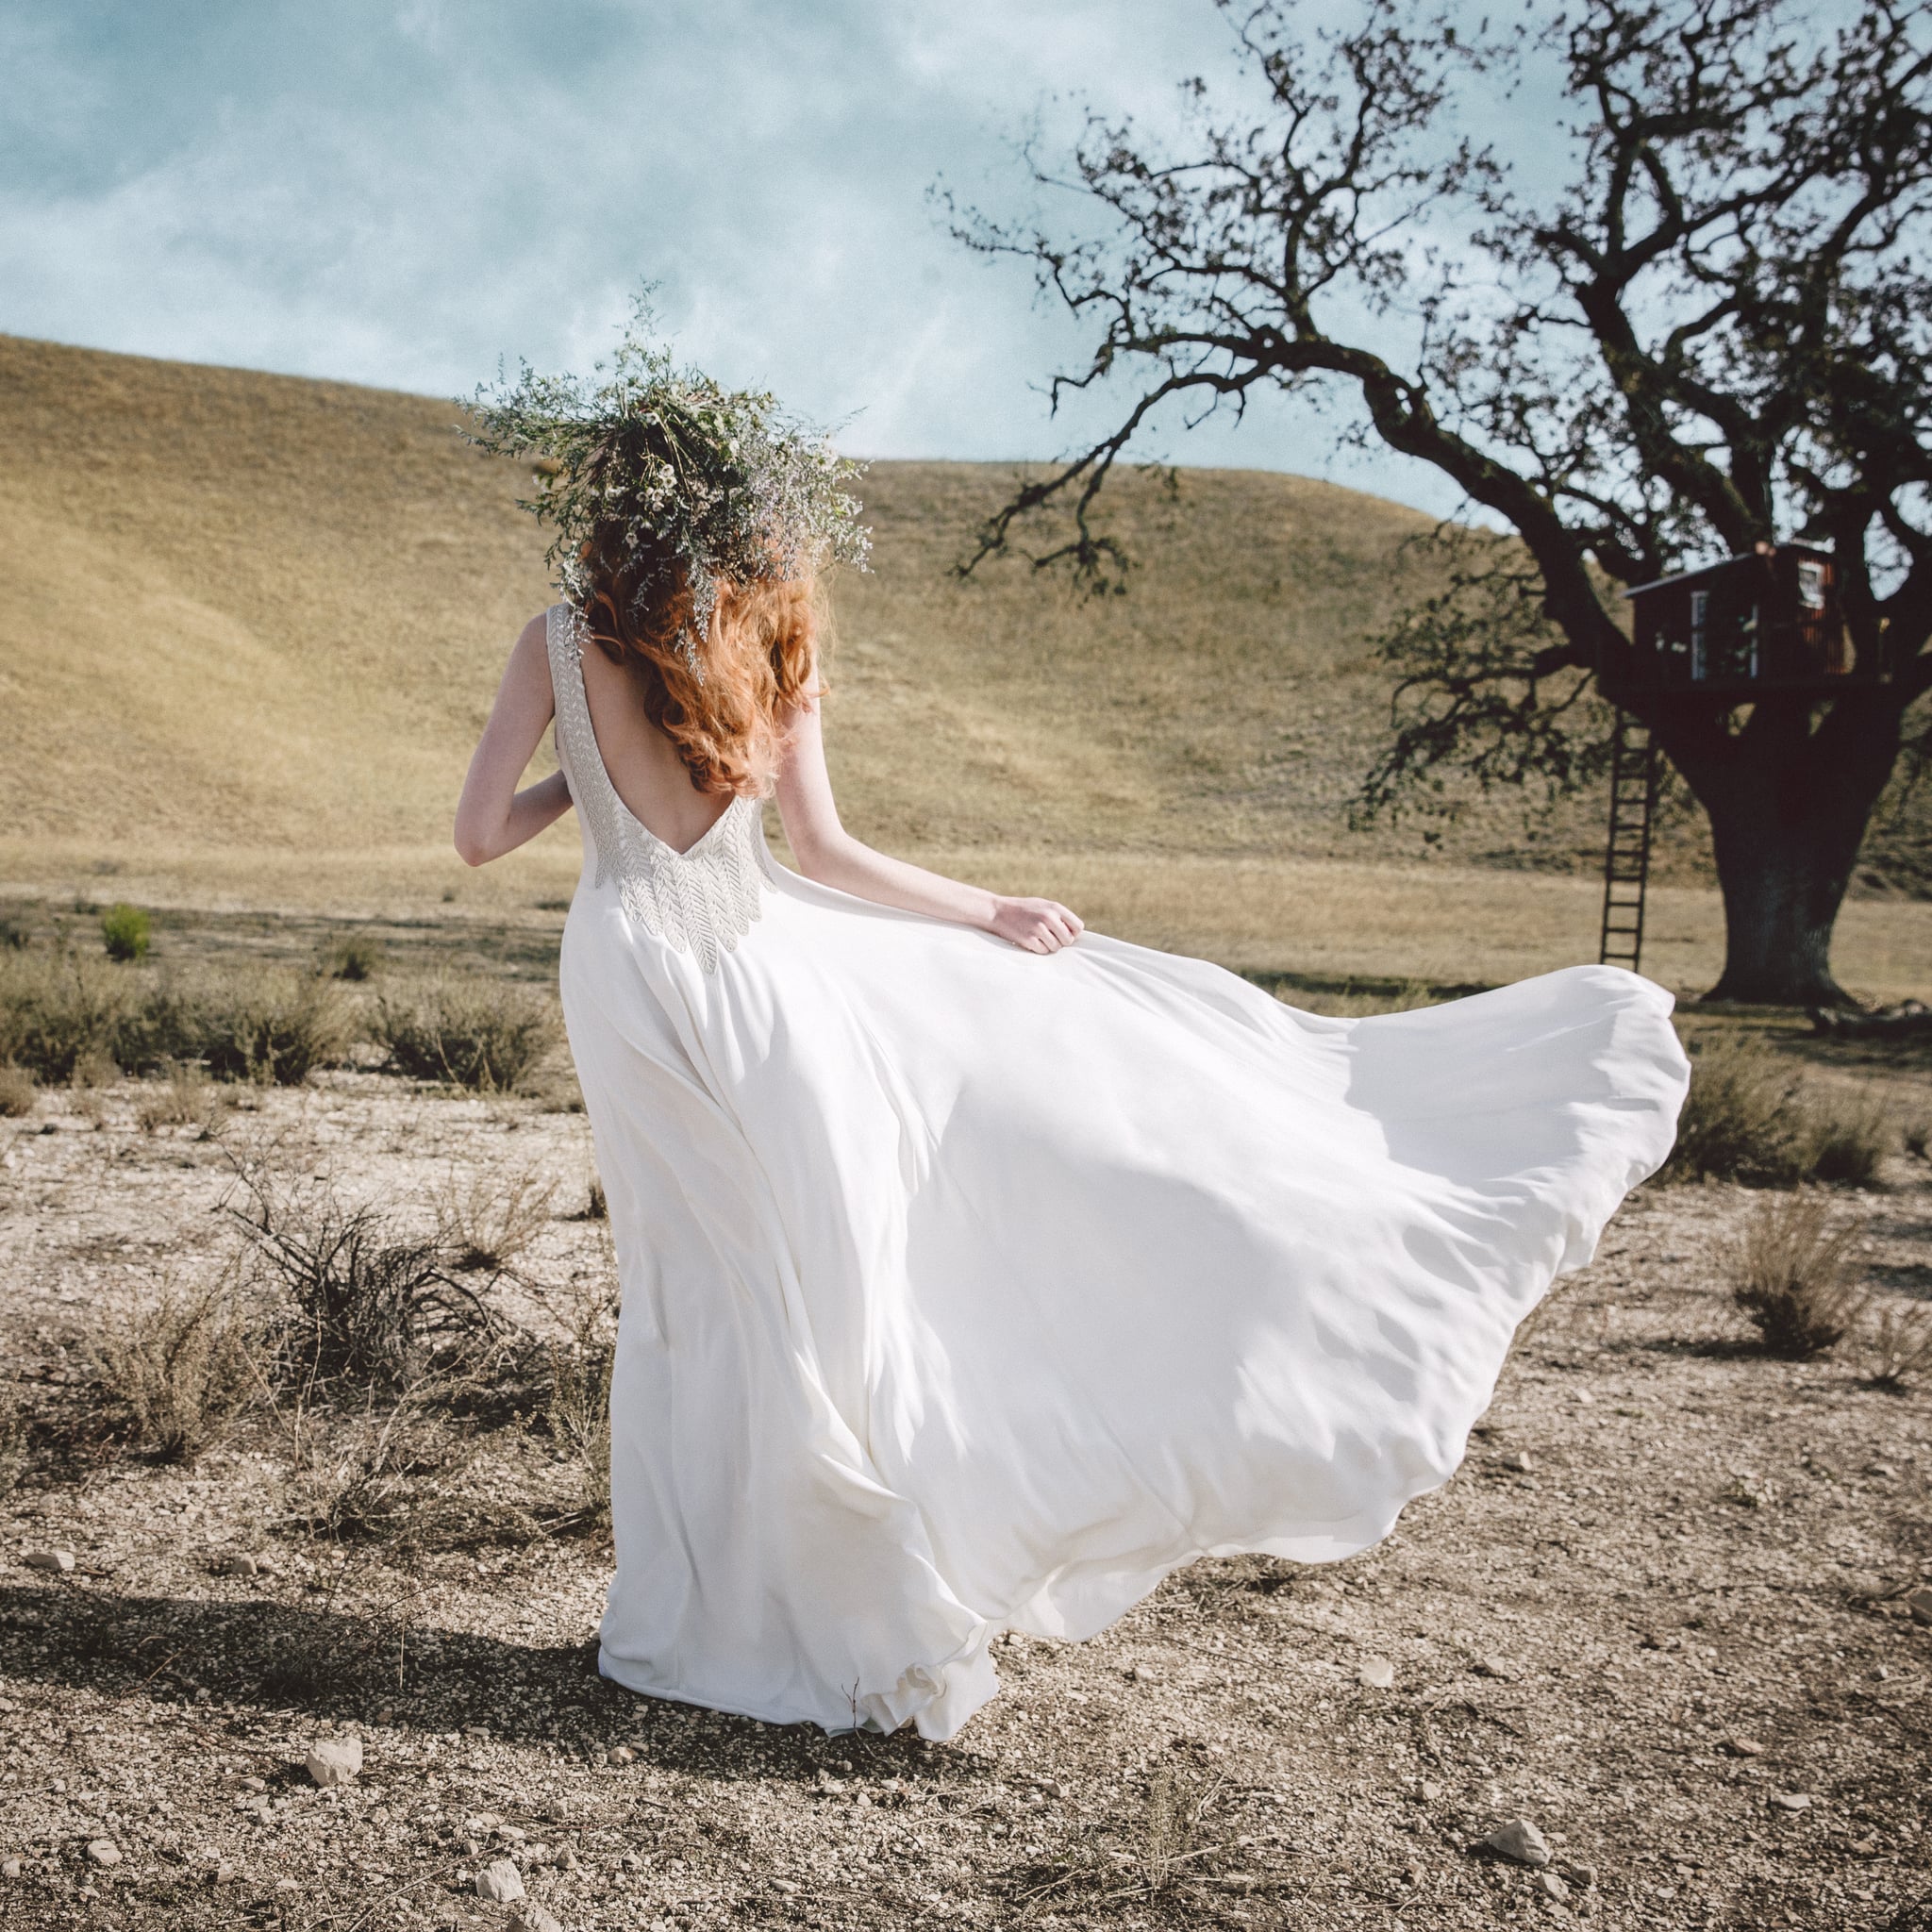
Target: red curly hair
x,y
759,657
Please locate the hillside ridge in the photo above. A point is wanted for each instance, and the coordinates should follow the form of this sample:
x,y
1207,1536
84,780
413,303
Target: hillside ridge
x,y
243,612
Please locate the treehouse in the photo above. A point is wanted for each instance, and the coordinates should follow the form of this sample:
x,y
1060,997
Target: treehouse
x,y
1768,622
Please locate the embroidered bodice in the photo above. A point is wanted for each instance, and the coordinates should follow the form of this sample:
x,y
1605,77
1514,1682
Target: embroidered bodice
x,y
702,900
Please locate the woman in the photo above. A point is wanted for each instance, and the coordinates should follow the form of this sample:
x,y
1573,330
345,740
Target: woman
x,y
977,1271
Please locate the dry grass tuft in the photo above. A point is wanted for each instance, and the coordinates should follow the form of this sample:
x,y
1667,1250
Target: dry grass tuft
x,y
1850,1135
1898,1348
489,1219
1170,1827
579,1405
353,957
360,1477
1790,1271
186,1097
17,1092
271,1028
1750,1117
348,1629
185,1366
479,1034
63,1015
60,1011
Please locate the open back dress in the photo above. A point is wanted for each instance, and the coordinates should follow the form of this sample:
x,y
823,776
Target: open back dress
x,y
968,1289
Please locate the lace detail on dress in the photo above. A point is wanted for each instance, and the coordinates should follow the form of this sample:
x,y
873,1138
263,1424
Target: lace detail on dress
x,y
702,901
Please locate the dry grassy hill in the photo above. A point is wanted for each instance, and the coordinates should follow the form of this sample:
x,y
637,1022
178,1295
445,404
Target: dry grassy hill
x,y
250,624
246,611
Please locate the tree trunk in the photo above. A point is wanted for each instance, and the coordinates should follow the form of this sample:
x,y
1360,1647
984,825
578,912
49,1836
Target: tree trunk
x,y
1788,806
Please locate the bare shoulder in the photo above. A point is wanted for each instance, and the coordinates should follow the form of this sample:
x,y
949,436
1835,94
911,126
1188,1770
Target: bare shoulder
x,y
535,636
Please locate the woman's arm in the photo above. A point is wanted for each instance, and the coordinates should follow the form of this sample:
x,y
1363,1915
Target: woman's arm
x,y
492,816
828,853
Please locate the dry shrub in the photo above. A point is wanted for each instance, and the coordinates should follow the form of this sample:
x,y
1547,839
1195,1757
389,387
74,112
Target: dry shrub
x,y
184,1098
64,1014
16,1092
1176,1802
489,1219
354,958
479,1034
345,1628
1792,1273
124,932
1750,1117
185,1366
60,1011
362,1477
272,1026
1850,1135
1898,1348
368,1303
579,1407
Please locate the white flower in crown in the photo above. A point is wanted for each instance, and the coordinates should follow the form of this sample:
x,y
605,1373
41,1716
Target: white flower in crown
x,y
670,476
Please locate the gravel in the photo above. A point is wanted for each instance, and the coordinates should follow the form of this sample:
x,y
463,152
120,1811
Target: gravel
x,y
1659,1658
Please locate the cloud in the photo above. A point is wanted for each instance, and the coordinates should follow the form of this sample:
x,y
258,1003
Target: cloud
x,y
400,193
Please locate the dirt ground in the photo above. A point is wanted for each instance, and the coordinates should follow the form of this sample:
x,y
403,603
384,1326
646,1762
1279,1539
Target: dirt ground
x,y
1659,1613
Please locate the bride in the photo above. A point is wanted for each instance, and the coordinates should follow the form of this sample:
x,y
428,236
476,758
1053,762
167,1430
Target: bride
x,y
977,1270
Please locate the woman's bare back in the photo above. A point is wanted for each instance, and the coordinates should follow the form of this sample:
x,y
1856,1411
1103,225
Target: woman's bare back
x,y
644,768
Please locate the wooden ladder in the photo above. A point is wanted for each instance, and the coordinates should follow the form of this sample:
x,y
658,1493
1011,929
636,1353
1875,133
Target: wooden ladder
x,y
1626,854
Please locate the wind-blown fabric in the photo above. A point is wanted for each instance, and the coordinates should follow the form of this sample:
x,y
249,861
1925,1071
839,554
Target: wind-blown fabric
x,y
967,1290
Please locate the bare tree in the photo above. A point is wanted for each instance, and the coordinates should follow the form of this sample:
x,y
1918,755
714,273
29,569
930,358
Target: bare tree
x,y
1698,323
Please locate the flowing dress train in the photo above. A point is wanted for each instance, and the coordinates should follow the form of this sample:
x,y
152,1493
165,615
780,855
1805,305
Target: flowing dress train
x,y
966,1290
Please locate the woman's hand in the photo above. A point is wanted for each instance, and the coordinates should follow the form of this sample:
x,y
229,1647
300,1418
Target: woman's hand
x,y
1039,925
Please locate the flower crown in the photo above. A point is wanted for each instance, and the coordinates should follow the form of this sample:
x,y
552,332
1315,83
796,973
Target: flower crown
x,y
661,472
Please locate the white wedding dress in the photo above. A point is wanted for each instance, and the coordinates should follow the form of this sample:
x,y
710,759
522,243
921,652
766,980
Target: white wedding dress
x,y
967,1290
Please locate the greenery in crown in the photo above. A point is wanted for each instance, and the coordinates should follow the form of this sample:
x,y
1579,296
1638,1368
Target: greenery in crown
x,y
661,474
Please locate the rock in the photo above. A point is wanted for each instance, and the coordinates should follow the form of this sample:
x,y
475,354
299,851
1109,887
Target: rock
x,y
1378,1672
620,1754
1521,1842
531,1917
59,1561
226,1872
1493,1667
1744,1747
238,1564
104,1852
1144,1673
335,1761
1790,1801
1584,1399
1432,1791
1553,1888
500,1880
9,1868
1519,1460
1919,1603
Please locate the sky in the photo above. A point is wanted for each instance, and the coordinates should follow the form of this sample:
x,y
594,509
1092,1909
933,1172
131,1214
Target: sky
x,y
403,193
